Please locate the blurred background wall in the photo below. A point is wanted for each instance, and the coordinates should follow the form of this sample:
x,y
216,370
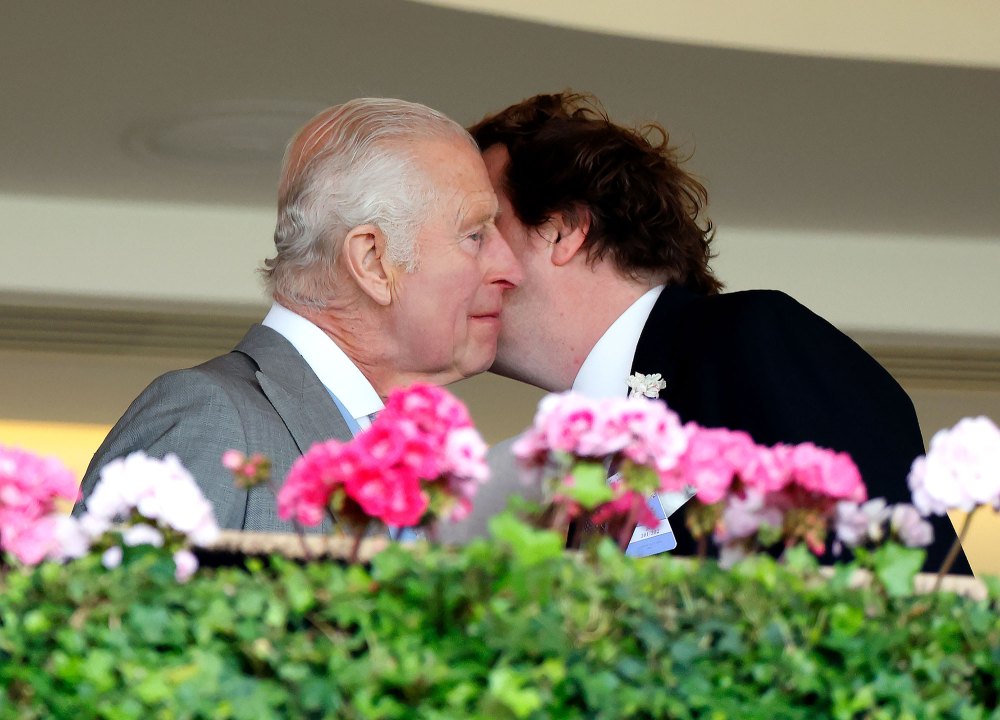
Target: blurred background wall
x,y
851,151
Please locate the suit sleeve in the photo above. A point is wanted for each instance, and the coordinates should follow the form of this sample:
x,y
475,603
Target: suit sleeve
x,y
189,415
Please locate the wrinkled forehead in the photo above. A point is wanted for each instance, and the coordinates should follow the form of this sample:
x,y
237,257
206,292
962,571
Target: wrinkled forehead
x,y
456,171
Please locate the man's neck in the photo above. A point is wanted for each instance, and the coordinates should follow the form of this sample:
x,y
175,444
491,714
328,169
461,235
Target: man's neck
x,y
599,304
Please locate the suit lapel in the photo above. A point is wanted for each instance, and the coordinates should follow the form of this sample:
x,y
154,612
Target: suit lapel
x,y
292,388
654,352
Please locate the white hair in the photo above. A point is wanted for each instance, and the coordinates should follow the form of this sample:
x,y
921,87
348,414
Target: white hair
x,y
352,165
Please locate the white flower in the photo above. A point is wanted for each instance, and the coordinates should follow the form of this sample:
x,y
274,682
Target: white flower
x,y
186,563
71,539
961,471
161,490
859,524
743,517
645,385
123,484
94,525
142,534
180,504
910,528
730,554
112,557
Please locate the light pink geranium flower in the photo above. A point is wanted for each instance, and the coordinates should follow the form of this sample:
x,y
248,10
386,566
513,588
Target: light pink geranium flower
x,y
714,458
160,490
72,540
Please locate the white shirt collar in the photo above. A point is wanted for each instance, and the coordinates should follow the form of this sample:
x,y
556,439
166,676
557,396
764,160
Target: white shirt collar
x,y
605,371
331,365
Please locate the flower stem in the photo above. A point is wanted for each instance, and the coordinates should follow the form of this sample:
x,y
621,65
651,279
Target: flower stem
x,y
301,532
356,547
628,529
560,522
953,552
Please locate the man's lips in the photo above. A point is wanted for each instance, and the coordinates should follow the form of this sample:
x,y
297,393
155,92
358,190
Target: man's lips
x,y
486,315
490,319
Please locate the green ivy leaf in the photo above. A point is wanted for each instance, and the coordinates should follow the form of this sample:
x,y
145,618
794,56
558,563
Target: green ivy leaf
x,y
506,685
896,566
590,485
529,545
800,559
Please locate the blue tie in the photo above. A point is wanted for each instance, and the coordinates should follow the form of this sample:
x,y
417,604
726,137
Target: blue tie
x,y
352,424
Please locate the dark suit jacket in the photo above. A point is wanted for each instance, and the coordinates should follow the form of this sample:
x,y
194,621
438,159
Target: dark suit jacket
x,y
759,361
261,397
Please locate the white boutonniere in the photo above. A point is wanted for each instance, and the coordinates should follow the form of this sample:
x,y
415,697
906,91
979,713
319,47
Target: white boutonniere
x,y
645,385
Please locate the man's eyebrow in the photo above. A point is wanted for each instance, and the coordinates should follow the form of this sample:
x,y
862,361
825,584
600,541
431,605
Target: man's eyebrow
x,y
466,217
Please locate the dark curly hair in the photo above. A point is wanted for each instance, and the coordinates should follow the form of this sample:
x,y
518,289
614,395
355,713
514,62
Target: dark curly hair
x,y
567,156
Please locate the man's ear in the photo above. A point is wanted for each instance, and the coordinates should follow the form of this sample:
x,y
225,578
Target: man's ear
x,y
569,236
363,256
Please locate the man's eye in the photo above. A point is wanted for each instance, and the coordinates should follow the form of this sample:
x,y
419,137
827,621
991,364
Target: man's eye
x,y
477,237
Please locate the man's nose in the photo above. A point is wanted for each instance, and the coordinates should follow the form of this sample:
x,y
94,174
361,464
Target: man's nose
x,y
504,267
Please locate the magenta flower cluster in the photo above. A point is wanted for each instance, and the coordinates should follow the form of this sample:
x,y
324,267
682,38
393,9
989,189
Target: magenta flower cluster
x,y
421,456
31,487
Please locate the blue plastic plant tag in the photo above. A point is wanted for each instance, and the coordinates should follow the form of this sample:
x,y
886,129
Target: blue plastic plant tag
x,y
653,541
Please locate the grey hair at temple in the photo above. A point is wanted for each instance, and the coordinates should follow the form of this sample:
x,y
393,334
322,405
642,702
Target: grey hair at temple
x,y
351,165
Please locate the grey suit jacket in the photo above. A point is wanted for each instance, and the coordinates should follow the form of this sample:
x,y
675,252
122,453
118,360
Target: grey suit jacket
x,y
261,397
492,498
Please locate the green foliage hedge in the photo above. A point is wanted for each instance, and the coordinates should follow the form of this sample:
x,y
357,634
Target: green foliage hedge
x,y
486,633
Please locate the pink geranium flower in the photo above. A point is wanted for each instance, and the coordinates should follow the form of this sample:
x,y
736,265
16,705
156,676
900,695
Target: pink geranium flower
x,y
751,492
714,458
826,473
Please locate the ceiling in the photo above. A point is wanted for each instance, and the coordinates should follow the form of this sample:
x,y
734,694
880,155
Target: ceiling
x,y
189,101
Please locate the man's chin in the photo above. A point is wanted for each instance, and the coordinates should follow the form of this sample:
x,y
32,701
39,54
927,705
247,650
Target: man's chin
x,y
503,367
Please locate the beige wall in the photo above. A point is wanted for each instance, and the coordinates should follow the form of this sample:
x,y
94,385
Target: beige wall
x,y
121,253
932,31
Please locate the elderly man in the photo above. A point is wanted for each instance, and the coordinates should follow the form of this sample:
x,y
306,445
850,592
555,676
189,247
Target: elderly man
x,y
610,231
388,270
